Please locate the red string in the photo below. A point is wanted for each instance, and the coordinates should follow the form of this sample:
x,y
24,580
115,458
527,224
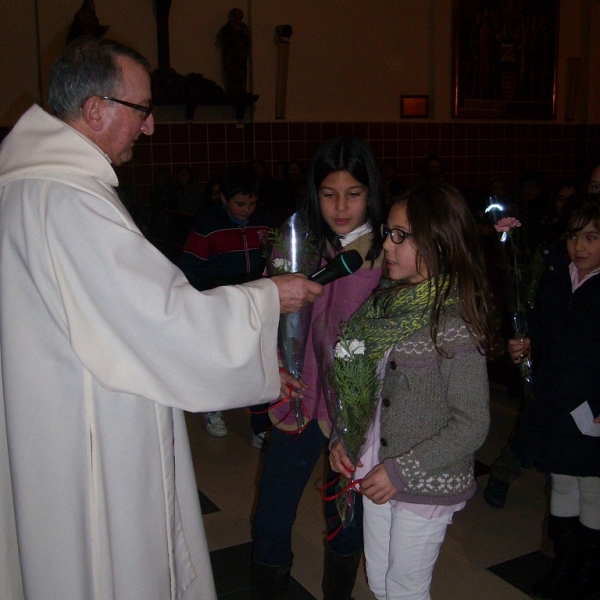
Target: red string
x,y
288,398
331,535
285,400
353,485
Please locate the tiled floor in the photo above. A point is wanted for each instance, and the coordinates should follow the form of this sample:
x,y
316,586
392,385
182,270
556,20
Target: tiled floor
x,y
488,553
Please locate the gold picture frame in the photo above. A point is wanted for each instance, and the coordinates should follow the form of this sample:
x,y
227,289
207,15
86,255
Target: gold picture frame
x,y
505,57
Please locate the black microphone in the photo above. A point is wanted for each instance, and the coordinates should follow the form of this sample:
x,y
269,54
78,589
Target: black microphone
x,y
343,264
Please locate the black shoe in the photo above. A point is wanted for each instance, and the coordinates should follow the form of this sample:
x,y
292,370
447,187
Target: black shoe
x,y
495,492
339,574
586,582
560,579
270,582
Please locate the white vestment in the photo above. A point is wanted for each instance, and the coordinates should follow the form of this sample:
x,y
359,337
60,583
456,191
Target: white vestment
x,y
103,345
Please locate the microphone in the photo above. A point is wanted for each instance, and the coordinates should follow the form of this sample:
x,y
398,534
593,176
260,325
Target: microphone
x,y
343,264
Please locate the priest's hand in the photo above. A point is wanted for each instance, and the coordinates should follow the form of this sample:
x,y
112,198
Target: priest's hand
x,y
295,291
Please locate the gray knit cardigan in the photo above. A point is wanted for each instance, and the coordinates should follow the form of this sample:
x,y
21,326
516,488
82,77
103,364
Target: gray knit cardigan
x,y
434,415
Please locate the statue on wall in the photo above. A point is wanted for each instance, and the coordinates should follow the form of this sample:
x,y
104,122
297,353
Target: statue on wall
x,y
234,41
171,88
86,22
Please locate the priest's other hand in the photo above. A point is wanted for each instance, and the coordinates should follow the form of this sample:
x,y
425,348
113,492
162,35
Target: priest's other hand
x,y
295,291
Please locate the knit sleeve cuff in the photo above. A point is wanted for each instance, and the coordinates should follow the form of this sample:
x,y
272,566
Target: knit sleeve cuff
x,y
403,469
393,473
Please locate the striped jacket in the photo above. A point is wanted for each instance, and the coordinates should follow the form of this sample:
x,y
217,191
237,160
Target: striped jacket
x,y
219,251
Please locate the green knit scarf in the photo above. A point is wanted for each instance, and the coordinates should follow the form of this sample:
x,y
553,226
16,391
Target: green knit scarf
x,y
391,316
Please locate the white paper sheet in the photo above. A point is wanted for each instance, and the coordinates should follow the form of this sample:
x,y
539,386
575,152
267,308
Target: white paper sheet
x,y
585,420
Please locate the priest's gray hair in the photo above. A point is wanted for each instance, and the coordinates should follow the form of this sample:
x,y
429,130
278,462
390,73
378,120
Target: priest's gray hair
x,y
87,67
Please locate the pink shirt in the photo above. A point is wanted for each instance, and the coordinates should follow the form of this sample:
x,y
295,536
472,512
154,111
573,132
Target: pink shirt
x,y
575,283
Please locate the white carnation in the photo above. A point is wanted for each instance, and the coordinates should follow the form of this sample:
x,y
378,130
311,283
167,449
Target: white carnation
x,y
341,352
357,347
348,350
281,264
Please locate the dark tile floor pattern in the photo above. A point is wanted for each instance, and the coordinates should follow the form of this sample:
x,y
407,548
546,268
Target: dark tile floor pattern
x,y
231,569
207,506
231,566
524,571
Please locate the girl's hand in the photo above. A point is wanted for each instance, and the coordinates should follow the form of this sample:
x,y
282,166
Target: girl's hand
x,y
519,349
286,377
377,487
339,461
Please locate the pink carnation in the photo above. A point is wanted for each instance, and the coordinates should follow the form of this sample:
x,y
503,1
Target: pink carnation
x,y
506,224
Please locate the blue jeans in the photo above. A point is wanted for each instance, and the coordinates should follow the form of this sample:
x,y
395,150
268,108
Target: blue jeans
x,y
289,462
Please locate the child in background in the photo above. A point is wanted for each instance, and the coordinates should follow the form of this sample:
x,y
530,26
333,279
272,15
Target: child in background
x,y
594,183
430,327
565,351
189,192
344,203
226,247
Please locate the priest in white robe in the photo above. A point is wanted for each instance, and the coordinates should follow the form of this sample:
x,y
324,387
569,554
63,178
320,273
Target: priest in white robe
x,y
103,344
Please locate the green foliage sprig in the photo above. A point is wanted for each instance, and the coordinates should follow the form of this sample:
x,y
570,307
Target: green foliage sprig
x,y
307,252
356,384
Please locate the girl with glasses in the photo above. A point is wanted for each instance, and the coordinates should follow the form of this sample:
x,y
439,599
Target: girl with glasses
x,y
429,326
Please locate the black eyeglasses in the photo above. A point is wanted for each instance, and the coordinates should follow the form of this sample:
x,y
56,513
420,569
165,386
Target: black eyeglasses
x,y
396,235
147,110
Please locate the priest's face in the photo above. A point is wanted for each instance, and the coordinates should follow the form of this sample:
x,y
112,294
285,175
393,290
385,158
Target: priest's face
x,y
125,124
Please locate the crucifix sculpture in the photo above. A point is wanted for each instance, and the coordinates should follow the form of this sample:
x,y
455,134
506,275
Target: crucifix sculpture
x,y
161,13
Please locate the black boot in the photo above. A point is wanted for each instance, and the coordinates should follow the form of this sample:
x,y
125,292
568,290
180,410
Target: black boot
x,y
585,585
270,582
339,574
560,577
495,492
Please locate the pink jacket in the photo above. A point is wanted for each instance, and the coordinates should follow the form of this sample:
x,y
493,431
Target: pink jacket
x,y
340,300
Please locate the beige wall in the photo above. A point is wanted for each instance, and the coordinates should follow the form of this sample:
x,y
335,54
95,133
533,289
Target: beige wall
x,y
349,60
18,60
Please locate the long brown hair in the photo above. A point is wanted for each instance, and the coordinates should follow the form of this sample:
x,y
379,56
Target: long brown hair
x,y
355,156
448,245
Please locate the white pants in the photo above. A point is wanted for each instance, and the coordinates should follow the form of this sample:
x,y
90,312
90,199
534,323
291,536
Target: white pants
x,y
576,497
400,550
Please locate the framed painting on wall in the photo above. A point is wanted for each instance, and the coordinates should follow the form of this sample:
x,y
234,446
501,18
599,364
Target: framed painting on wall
x,y
505,59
